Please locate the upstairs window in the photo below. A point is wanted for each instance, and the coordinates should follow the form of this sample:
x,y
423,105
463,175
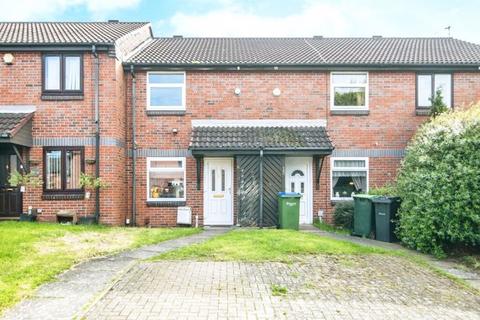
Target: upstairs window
x,y
349,91
62,74
428,84
166,91
349,177
62,169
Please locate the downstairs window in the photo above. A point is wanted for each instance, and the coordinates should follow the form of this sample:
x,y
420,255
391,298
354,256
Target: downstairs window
x,y
349,177
166,179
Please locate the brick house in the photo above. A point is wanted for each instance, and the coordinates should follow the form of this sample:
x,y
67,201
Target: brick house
x,y
48,82
218,126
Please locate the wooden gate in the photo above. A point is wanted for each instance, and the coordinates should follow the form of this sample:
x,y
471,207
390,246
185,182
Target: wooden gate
x,y
248,184
10,202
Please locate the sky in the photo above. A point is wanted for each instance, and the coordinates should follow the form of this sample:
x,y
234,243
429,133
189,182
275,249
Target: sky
x,y
266,18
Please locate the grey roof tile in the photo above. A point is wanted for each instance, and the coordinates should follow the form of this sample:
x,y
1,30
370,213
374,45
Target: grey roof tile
x,y
46,33
256,138
308,51
10,123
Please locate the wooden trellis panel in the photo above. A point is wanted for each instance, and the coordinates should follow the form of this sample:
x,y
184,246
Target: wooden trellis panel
x,y
248,180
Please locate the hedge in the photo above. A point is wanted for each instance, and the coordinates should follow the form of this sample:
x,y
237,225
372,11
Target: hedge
x,y
439,182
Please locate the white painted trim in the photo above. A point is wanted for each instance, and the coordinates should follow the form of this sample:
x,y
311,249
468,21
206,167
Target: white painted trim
x,y
349,108
260,123
367,169
184,169
205,184
167,85
17,108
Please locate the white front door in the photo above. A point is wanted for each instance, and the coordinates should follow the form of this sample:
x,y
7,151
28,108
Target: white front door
x,y
298,178
218,182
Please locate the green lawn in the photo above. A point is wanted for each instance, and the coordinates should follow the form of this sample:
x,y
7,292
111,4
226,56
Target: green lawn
x,y
33,253
329,228
266,245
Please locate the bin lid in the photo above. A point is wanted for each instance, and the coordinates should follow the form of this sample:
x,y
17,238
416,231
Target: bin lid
x,y
365,196
385,199
289,195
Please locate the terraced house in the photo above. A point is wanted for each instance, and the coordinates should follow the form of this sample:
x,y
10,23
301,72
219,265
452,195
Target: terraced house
x,y
208,130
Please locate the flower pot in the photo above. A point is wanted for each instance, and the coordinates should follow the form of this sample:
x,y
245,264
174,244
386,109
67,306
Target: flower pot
x,y
28,217
87,220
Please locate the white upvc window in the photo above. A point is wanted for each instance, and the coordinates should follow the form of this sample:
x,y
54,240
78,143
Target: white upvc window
x,y
166,179
166,91
349,176
349,91
427,86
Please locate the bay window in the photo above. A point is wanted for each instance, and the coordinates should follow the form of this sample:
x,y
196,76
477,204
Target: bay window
x,y
166,91
166,179
349,176
62,169
427,86
349,91
62,74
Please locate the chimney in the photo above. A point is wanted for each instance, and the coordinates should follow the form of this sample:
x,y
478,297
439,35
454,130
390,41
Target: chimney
x,y
113,20
317,37
377,37
177,36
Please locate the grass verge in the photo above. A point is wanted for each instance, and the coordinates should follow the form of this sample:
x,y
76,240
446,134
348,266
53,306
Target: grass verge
x,y
265,245
329,228
33,253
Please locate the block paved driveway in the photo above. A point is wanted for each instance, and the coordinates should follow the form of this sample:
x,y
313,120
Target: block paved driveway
x,y
318,287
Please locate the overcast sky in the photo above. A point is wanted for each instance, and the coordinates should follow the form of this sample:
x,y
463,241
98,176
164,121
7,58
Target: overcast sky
x,y
266,17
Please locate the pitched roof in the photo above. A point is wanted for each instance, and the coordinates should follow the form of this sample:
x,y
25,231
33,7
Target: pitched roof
x,y
308,51
236,138
65,33
11,123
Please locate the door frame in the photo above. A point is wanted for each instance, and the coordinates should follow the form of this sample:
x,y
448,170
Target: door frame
x,y
309,186
206,184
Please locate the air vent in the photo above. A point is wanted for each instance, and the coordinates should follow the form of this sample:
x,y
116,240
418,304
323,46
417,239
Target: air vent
x,y
178,36
377,37
113,20
317,37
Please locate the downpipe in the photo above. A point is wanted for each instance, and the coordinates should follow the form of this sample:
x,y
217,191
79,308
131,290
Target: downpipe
x,y
96,80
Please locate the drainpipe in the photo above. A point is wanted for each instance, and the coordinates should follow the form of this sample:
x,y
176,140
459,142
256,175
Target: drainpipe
x,y
261,188
96,79
134,147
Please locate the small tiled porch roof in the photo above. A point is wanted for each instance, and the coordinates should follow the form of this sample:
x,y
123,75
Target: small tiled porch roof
x,y
254,138
16,128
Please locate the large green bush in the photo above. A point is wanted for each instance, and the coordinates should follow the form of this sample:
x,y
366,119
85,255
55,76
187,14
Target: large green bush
x,y
439,183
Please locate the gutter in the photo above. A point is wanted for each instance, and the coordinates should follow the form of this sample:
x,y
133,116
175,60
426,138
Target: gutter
x,y
300,67
96,84
134,148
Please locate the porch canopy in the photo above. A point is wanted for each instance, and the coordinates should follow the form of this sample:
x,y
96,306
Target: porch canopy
x,y
16,128
260,148
234,137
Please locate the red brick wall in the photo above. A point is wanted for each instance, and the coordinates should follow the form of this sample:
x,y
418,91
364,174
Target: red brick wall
x,y
305,95
21,84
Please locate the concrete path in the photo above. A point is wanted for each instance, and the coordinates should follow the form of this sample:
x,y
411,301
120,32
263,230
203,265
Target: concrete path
x,y
74,290
449,267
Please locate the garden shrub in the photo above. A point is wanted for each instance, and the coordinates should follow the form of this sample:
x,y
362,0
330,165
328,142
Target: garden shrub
x,y
343,214
439,182
389,190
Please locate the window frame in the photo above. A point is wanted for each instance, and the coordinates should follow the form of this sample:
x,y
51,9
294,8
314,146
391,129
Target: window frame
x,y
62,91
167,85
184,168
349,108
432,86
63,172
332,168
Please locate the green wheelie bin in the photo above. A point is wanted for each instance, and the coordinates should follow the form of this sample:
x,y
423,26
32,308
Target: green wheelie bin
x,y
289,210
363,215
385,216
